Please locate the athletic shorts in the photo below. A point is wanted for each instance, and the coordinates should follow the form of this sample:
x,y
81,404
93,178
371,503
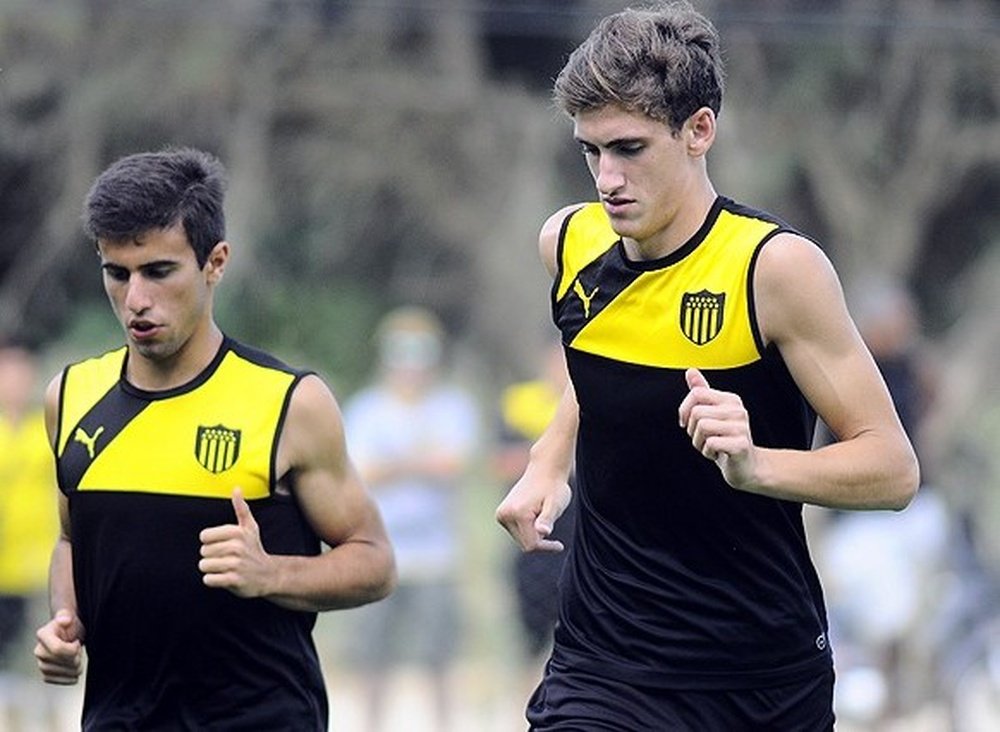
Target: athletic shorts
x,y
582,702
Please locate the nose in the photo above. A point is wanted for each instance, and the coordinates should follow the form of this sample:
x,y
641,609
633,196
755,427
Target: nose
x,y
608,175
137,298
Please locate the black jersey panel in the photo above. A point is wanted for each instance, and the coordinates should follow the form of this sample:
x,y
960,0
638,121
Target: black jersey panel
x,y
693,582
192,657
96,430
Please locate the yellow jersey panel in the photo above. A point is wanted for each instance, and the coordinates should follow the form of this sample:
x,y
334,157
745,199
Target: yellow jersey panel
x,y
584,250
201,441
82,385
690,309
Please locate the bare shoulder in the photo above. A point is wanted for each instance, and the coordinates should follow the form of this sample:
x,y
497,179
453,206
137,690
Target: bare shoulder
x,y
52,394
796,288
313,430
548,238
313,395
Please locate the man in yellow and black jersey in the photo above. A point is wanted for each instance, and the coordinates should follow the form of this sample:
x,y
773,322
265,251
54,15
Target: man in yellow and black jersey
x,y
199,481
702,338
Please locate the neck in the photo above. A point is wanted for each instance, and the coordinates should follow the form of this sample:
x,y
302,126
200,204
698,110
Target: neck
x,y
159,373
680,227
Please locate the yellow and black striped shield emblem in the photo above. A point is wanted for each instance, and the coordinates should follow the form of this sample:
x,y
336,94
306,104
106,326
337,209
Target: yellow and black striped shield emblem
x,y
701,315
217,448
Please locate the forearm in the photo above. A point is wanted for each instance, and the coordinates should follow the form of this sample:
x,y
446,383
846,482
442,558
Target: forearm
x,y
351,574
553,452
870,471
62,590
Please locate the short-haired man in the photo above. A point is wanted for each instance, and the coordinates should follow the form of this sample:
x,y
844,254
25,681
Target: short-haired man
x,y
702,337
199,479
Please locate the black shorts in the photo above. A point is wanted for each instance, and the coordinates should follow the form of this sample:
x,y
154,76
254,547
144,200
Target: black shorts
x,y
582,702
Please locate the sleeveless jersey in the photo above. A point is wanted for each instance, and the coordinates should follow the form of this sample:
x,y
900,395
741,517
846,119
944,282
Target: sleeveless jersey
x,y
675,579
144,473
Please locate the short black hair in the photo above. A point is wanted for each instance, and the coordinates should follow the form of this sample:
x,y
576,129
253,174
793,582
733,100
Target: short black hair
x,y
158,190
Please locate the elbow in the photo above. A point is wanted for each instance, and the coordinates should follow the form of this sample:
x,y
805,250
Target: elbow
x,y
388,584
904,484
384,580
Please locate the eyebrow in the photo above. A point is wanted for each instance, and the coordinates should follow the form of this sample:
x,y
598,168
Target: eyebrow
x,y
146,266
616,142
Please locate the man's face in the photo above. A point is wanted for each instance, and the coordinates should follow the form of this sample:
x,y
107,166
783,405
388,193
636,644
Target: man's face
x,y
641,169
157,290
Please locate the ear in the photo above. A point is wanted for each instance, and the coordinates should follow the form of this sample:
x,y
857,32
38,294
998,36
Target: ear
x,y
215,265
699,131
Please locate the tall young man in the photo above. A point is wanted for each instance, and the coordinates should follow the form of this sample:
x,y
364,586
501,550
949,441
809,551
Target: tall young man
x,y
702,338
199,479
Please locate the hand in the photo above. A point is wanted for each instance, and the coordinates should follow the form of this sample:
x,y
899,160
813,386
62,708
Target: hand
x,y
232,556
59,651
530,510
719,427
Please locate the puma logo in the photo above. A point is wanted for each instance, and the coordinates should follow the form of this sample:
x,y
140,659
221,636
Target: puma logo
x,y
86,440
584,297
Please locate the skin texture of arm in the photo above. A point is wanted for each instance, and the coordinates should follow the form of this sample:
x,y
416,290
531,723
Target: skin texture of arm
x,y
538,499
59,650
535,502
801,309
359,566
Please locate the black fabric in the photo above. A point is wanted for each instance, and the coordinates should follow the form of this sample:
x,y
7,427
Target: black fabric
x,y
571,700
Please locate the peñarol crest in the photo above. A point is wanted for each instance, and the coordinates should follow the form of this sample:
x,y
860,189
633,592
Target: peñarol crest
x,y
217,448
701,315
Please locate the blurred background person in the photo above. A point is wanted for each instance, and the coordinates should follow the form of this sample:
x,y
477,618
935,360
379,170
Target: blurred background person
x,y
28,529
413,435
525,410
883,571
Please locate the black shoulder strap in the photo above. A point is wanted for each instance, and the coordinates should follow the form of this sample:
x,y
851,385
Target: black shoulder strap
x,y
94,432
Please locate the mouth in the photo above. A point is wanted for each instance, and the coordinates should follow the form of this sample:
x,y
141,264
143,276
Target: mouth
x,y
616,205
142,330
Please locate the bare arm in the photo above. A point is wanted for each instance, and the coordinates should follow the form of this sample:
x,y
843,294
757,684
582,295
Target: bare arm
x,y
801,310
59,651
357,569
538,499
530,509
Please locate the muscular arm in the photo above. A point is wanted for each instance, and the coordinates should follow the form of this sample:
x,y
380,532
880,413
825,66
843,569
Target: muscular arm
x,y
358,568
801,310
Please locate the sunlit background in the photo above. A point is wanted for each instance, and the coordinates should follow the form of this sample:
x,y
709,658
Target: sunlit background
x,y
394,152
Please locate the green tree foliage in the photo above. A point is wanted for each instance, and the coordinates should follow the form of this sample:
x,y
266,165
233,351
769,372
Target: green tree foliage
x,y
396,152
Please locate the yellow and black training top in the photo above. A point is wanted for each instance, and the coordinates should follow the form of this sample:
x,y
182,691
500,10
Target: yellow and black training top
x,y
675,579
144,473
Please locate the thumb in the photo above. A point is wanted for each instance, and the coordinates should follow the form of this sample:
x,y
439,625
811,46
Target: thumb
x,y
64,622
244,517
546,519
694,378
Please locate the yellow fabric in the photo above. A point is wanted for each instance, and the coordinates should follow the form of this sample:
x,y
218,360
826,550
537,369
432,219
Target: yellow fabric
x,y
240,396
29,521
528,407
643,324
84,384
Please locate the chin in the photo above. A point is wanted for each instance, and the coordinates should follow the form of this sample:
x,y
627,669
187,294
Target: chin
x,y
157,351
